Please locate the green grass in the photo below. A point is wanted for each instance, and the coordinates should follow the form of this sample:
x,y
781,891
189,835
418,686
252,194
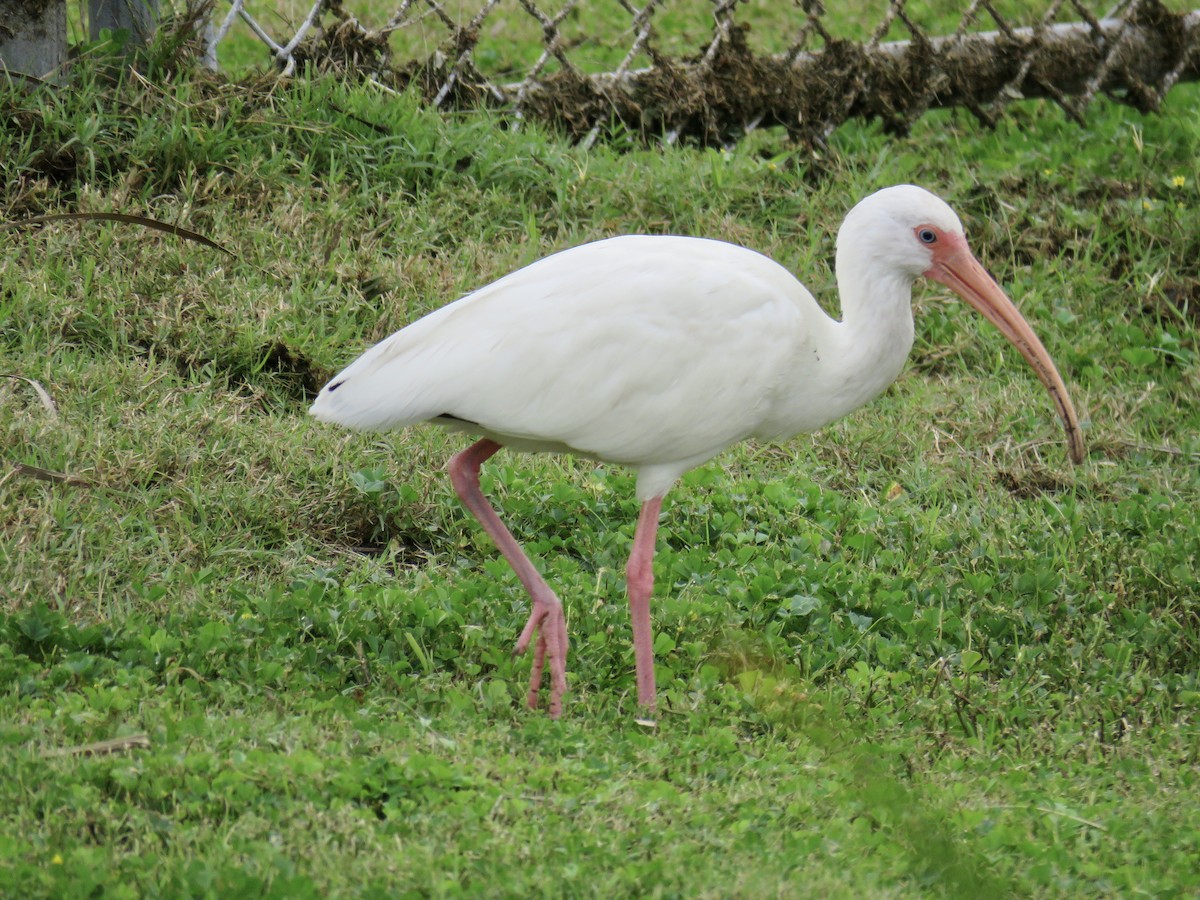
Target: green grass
x,y
916,654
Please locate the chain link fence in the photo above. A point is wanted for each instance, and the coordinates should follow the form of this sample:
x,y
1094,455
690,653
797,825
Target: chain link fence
x,y
711,70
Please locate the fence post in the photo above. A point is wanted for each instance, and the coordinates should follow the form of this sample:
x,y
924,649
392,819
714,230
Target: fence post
x,y
33,36
138,17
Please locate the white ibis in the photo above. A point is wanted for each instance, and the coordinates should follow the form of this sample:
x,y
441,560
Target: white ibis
x,y
658,352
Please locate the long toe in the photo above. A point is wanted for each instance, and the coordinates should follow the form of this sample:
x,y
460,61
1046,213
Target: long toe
x,y
547,621
555,631
535,671
529,630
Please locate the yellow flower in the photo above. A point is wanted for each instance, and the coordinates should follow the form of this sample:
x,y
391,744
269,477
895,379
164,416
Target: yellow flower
x,y
1178,181
56,859
1146,204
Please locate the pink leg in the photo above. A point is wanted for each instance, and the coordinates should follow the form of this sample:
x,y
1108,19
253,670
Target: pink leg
x,y
640,579
546,616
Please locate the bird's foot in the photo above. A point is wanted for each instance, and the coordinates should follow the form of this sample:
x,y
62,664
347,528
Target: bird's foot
x,y
548,621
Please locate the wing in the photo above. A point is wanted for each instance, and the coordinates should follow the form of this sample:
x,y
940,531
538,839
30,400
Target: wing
x,y
636,349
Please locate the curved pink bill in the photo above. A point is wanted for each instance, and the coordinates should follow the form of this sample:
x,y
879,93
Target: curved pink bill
x,y
958,270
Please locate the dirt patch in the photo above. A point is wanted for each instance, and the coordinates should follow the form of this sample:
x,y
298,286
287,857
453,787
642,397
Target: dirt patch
x,y
1177,301
272,365
361,527
1030,484
295,368
54,163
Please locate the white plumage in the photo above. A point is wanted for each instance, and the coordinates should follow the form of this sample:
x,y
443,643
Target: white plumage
x,y
552,358
659,352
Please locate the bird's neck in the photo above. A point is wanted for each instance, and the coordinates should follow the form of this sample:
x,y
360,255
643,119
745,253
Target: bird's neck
x,y
876,331
840,366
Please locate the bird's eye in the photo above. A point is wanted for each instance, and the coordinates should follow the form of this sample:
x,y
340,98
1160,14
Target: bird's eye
x,y
927,236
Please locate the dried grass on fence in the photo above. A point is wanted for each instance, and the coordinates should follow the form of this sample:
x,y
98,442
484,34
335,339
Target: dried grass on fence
x,y
731,81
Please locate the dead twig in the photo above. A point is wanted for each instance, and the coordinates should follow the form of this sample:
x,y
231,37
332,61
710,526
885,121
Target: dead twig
x,y
121,217
49,475
103,748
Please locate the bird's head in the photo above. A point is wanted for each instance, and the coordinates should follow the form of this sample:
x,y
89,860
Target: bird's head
x,y
908,231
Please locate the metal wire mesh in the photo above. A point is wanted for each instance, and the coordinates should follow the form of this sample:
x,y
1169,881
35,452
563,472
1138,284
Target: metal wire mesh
x,y
728,67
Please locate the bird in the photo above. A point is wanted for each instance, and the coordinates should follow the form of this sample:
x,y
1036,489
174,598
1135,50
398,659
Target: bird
x,y
658,352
